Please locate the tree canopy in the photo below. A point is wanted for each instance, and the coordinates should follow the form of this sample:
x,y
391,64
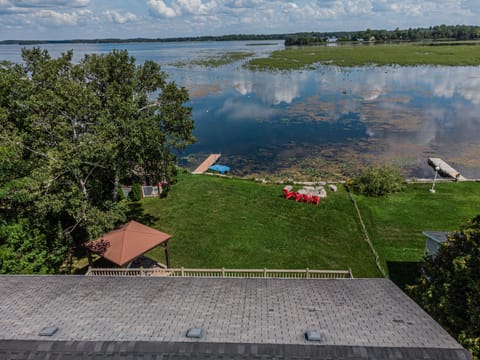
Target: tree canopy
x,y
439,32
449,286
71,133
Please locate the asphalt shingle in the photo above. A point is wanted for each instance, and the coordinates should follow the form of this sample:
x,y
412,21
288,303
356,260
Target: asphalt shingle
x,y
143,317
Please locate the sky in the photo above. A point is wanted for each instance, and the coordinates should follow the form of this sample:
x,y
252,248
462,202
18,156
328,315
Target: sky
x,y
94,19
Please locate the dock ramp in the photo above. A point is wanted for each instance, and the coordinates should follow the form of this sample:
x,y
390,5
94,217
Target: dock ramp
x,y
209,161
444,169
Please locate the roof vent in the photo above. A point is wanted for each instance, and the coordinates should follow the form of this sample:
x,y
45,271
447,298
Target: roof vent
x,y
194,333
313,335
48,331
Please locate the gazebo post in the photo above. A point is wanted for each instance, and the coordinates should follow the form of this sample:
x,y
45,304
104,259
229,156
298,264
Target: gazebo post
x,y
167,254
89,257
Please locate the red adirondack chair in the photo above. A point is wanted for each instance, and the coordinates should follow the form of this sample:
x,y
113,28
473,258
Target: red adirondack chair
x,y
288,194
315,199
307,198
298,197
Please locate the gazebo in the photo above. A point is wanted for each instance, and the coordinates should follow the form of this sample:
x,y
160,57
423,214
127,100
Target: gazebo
x,y
125,244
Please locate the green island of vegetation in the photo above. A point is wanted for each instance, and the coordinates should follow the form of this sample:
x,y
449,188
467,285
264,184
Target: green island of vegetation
x,y
216,61
348,55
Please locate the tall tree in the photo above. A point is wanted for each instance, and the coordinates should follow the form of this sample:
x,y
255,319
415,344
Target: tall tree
x,y
449,286
77,131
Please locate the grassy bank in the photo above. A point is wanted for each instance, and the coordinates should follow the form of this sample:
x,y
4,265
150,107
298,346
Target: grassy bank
x,y
360,55
232,223
395,223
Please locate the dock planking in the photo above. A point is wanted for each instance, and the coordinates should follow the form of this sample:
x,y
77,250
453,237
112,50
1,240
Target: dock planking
x,y
444,169
209,161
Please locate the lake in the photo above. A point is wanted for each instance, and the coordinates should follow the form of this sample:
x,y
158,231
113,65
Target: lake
x,y
329,121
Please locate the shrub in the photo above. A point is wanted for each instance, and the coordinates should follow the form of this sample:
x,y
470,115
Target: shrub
x,y
136,193
378,181
120,194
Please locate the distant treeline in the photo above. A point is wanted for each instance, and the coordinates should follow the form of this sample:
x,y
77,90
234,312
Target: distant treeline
x,y
150,40
440,32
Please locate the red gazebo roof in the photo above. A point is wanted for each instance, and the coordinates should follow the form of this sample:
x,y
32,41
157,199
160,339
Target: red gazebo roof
x,y
128,242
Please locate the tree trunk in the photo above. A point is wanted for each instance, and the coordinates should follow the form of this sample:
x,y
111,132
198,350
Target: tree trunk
x,y
116,183
83,187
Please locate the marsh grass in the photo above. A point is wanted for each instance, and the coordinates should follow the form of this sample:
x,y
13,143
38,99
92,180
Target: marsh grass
x,y
218,60
361,55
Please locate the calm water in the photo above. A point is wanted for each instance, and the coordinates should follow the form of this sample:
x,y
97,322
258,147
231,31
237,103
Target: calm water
x,y
327,120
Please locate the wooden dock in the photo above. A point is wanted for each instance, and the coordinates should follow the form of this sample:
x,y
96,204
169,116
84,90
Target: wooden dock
x,y
209,161
444,169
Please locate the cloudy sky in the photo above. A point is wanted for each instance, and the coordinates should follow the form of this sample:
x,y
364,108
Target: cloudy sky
x,y
87,19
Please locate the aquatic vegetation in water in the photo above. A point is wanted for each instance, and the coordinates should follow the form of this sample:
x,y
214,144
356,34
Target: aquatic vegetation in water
x,y
216,60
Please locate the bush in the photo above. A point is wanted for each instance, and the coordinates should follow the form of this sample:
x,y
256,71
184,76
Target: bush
x,y
120,194
378,181
136,193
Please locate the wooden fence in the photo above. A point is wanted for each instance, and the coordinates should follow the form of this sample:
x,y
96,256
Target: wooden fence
x,y
225,273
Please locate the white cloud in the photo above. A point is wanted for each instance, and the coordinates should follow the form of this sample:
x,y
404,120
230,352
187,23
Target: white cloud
x,y
247,3
196,6
159,8
57,18
176,8
116,17
290,7
217,17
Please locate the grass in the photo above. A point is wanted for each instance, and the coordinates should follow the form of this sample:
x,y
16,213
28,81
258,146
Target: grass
x,y
218,222
232,223
395,223
361,55
217,61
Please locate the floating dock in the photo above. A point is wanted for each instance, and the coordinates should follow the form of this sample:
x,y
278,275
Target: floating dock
x,y
209,161
444,169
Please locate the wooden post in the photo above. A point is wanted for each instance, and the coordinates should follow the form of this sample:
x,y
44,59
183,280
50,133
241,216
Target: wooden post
x,y
167,255
89,257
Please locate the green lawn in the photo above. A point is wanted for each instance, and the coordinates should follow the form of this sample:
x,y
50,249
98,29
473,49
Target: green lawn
x,y
395,223
361,55
218,222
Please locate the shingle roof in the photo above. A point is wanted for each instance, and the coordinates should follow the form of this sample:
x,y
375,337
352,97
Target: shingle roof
x,y
145,317
128,242
437,236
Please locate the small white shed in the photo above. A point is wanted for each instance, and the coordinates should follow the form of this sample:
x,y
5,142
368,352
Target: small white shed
x,y
434,239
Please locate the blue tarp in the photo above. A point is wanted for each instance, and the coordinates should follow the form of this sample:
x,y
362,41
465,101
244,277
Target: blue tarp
x,y
219,168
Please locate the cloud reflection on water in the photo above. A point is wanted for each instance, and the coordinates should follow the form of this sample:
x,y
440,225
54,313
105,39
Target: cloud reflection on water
x,y
271,88
408,113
